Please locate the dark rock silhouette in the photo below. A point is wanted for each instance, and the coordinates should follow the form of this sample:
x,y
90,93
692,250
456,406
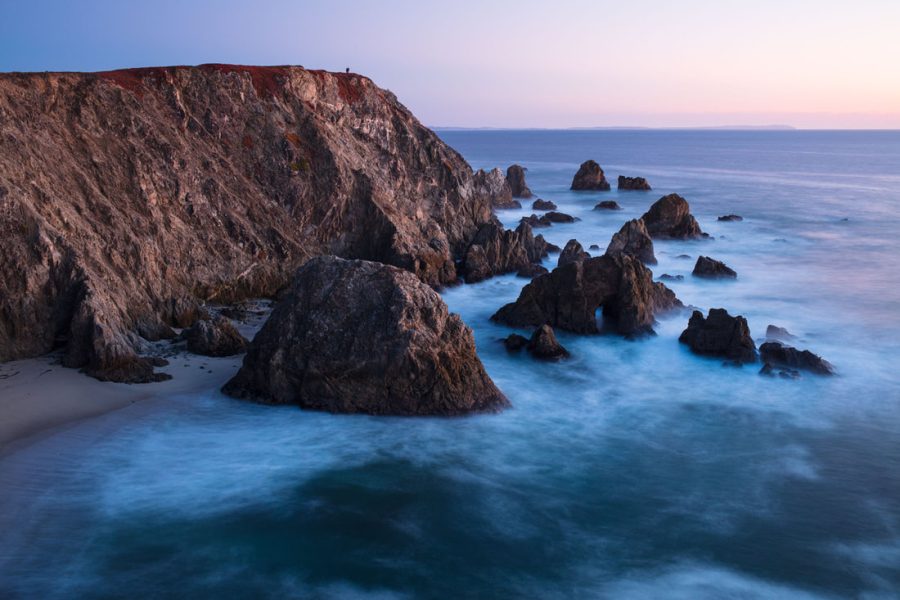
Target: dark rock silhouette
x,y
670,217
495,250
633,239
608,205
515,342
710,268
572,252
594,247
531,271
774,332
569,296
776,354
548,219
150,191
354,336
728,218
667,277
214,337
633,183
544,345
590,177
493,184
515,176
543,205
720,334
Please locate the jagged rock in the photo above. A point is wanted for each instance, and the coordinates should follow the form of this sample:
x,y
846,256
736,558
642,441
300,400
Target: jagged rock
x,y
496,250
729,218
670,217
569,296
543,205
571,253
515,342
163,187
536,221
776,354
590,177
354,336
531,271
633,183
711,268
544,345
493,184
667,277
720,334
214,337
515,176
633,239
608,205
774,332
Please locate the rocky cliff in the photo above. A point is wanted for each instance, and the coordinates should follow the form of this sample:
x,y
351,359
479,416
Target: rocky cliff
x,y
128,197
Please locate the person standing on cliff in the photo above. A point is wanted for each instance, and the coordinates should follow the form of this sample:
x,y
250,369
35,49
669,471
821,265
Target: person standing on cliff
x,y
348,70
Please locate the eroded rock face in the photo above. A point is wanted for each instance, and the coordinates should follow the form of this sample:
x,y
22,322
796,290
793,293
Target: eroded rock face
x,y
543,345
633,183
776,354
354,336
710,268
720,334
540,204
493,184
590,177
571,253
160,187
515,176
633,239
670,217
214,337
496,250
607,205
569,297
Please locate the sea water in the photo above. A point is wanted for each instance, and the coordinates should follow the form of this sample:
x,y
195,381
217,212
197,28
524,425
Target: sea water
x,y
634,469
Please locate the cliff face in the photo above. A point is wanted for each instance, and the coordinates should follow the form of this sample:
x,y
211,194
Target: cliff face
x,y
126,197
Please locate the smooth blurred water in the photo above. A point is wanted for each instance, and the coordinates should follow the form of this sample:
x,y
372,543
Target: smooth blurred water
x,y
633,470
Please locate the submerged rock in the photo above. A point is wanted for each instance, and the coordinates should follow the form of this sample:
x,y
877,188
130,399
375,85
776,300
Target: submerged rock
x,y
633,239
515,342
354,336
569,297
607,205
544,345
667,277
710,268
590,177
633,183
571,253
543,205
670,217
214,337
730,218
493,184
776,354
515,176
594,247
720,334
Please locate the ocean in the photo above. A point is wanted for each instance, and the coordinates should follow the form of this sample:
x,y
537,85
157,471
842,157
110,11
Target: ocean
x,y
635,469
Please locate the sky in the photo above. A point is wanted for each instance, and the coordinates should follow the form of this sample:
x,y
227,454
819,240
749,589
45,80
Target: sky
x,y
499,63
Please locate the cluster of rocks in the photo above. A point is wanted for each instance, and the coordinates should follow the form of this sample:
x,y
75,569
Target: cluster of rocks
x,y
495,250
542,345
547,219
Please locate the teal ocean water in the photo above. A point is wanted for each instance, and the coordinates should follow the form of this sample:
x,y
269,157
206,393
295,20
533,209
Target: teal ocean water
x,y
635,469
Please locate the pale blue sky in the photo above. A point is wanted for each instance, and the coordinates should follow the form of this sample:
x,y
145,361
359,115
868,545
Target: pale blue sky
x,y
568,63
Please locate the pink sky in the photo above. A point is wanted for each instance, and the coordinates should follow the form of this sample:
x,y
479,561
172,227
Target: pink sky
x,y
568,63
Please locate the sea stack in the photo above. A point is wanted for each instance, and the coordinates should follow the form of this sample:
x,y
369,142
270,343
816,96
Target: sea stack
x,y
590,177
515,177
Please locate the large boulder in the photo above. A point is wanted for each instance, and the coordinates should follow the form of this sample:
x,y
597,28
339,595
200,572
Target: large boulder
x,y
354,336
493,184
496,250
633,239
633,183
607,205
515,177
569,297
776,354
710,268
541,204
720,334
590,177
572,252
214,337
544,345
670,217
